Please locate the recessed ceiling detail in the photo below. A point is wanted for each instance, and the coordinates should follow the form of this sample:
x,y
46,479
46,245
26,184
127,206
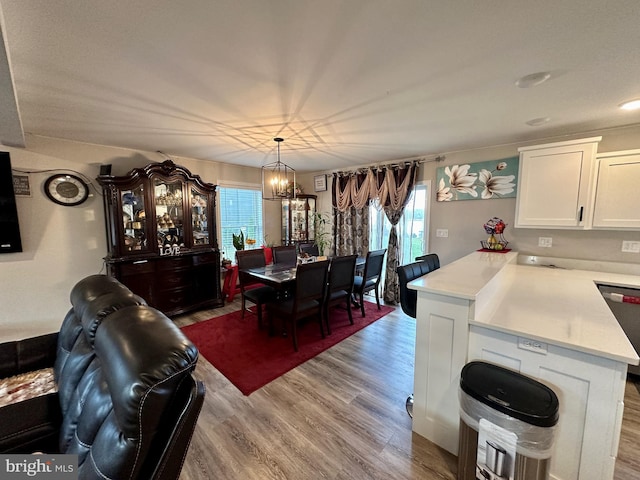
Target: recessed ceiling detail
x,y
537,122
533,80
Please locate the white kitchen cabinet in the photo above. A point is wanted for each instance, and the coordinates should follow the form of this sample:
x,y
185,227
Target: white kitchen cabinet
x,y
617,197
591,393
555,184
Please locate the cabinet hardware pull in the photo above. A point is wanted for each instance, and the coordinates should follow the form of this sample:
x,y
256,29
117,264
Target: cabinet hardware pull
x,y
138,262
580,217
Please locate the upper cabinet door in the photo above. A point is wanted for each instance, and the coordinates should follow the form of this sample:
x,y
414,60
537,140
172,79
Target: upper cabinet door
x,y
617,201
554,189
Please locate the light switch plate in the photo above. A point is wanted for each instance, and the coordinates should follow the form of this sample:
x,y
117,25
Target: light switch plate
x,y
630,247
442,232
545,241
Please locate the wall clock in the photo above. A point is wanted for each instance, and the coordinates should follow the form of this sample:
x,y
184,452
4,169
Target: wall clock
x,y
67,190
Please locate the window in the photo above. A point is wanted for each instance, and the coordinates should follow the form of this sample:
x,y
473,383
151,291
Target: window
x,y
240,210
413,228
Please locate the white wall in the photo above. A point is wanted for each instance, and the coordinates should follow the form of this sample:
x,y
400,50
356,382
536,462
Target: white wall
x,y
62,245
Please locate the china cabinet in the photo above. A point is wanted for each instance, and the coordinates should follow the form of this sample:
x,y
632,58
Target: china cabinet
x,y
617,193
297,219
161,236
555,184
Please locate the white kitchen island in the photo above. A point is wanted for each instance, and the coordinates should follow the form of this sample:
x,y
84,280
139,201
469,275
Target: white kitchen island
x,y
550,324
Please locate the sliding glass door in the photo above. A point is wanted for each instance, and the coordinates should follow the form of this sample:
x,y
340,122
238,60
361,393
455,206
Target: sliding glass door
x,y
413,228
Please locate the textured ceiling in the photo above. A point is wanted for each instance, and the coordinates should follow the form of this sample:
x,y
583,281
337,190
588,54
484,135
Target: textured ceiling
x,y
344,82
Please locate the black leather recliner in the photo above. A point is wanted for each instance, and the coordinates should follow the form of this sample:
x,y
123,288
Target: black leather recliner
x,y
406,273
127,402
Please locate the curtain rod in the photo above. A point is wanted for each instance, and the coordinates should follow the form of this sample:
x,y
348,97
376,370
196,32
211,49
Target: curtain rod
x,y
394,163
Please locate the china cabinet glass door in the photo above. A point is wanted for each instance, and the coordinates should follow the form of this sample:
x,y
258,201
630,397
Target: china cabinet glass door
x,y
169,213
134,220
199,215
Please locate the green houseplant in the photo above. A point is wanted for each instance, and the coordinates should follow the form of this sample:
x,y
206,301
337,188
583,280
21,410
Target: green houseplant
x,y
238,241
321,222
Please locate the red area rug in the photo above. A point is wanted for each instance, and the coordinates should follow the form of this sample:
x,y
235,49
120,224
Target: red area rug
x,y
250,358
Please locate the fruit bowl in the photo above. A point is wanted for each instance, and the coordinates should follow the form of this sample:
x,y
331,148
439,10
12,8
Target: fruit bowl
x,y
499,245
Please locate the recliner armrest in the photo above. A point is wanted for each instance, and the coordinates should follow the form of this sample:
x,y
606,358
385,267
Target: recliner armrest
x,y
26,355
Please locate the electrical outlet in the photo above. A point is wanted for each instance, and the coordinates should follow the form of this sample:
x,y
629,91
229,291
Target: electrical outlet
x,y
442,232
532,345
630,247
545,241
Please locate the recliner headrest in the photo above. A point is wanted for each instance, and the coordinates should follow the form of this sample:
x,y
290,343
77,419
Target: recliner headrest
x,y
97,296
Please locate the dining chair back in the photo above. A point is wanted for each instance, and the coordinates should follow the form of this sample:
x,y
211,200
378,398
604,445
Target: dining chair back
x,y
257,293
370,278
432,260
308,300
310,249
285,255
342,272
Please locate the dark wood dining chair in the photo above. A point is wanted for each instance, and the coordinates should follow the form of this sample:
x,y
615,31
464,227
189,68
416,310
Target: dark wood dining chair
x,y
285,255
310,249
370,278
257,293
342,271
307,301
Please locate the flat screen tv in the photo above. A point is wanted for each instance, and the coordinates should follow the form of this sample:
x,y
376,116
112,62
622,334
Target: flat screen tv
x,y
9,229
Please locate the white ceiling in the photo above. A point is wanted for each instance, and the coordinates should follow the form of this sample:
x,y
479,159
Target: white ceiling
x,y
345,83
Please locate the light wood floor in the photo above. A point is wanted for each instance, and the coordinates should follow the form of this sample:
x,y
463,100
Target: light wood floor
x,y
341,415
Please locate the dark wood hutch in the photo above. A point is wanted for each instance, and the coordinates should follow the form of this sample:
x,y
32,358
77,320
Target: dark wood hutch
x,y
161,236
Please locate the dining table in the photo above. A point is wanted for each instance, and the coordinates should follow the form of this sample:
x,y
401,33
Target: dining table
x,y
278,275
283,276
275,275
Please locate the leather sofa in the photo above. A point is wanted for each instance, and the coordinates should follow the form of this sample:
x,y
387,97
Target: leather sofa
x,y
126,400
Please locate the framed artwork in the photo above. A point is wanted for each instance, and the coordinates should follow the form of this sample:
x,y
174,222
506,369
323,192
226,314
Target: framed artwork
x,y
320,183
478,181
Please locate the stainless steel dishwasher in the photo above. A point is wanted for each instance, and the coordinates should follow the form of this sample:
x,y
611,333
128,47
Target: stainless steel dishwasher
x,y
625,306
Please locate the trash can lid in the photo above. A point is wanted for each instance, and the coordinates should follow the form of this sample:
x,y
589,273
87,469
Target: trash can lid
x,y
511,393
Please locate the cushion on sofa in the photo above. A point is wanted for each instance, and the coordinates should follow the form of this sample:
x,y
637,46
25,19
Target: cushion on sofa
x,y
26,385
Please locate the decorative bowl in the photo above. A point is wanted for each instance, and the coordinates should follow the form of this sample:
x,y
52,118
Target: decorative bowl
x,y
499,245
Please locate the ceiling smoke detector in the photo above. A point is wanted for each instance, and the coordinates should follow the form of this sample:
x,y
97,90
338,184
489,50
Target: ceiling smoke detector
x,y
533,80
536,122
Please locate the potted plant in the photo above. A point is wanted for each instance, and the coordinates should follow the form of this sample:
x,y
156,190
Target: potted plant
x,y
321,221
238,241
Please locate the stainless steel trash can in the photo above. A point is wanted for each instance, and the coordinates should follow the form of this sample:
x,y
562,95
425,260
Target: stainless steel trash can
x,y
521,411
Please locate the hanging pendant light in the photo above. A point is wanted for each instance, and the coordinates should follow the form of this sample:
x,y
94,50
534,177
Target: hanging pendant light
x,y
278,179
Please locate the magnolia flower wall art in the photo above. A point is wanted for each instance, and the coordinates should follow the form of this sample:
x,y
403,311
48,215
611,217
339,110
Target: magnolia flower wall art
x,y
478,181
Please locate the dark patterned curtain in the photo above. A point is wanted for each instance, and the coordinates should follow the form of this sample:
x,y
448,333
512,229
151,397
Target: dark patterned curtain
x,y
351,225
400,181
352,193
352,231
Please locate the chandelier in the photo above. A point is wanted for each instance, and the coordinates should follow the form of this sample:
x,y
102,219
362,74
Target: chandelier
x,y
278,179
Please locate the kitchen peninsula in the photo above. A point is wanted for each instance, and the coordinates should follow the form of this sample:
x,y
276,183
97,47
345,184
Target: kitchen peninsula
x,y
548,323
